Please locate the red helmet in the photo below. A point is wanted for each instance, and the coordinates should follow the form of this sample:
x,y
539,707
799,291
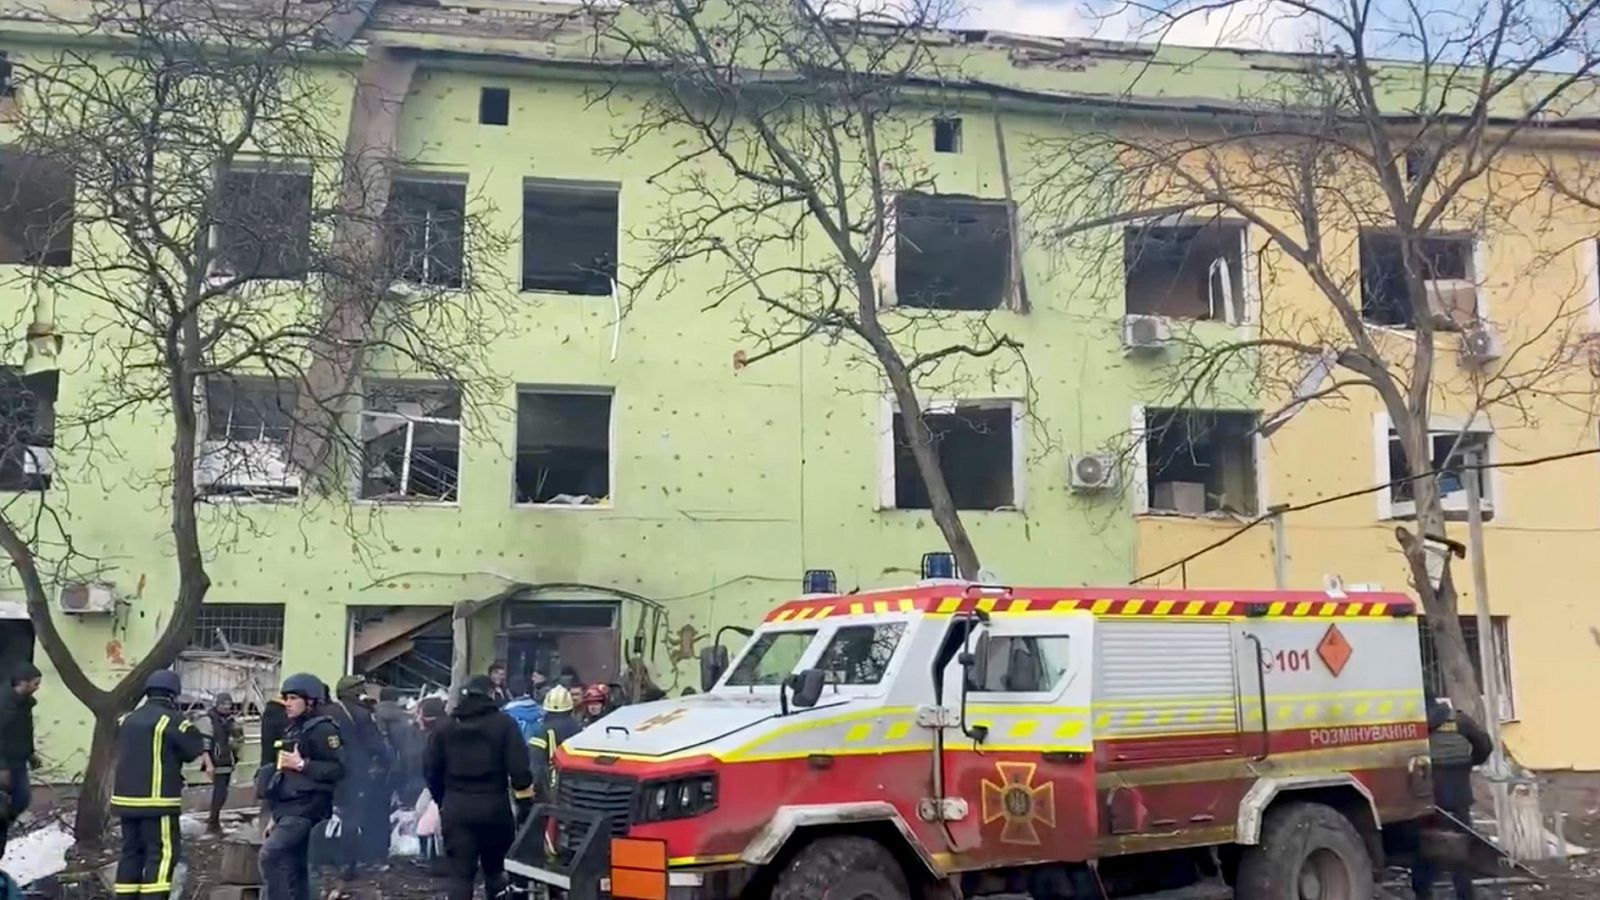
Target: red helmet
x,y
596,693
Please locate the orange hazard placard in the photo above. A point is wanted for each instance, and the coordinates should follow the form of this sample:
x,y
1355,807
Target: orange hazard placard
x,y
638,869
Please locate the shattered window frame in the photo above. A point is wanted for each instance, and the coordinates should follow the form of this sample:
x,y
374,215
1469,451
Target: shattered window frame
x,y
1451,443
404,480
593,196
27,429
290,239
598,394
899,483
436,261
259,388
1171,243
42,235
1218,426
903,249
1385,298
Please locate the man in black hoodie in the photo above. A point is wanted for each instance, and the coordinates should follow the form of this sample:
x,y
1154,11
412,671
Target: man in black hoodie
x,y
1457,745
16,733
470,761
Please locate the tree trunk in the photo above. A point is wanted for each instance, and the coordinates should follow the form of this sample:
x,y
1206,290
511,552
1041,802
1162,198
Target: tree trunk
x,y
94,796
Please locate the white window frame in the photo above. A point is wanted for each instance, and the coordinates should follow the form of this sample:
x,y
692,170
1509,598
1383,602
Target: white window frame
x,y
1590,260
219,274
1479,261
885,272
206,446
405,466
888,409
1140,483
1492,479
611,442
406,286
1249,274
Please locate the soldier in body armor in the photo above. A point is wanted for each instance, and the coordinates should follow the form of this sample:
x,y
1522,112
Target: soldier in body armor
x,y
1457,745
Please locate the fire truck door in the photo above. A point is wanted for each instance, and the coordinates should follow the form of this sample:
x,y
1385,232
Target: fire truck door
x,y
1023,758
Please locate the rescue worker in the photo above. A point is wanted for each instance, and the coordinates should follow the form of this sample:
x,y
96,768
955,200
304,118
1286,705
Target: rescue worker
x,y
225,743
363,798
153,744
1457,744
309,764
560,724
596,703
470,760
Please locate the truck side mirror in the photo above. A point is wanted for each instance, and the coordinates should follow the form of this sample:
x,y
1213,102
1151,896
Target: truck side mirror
x,y
976,662
807,687
713,662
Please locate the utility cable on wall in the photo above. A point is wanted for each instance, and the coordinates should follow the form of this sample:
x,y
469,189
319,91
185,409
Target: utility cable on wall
x,y
1348,495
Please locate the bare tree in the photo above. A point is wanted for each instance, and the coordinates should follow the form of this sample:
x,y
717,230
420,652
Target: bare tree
x,y
201,226
796,177
1365,185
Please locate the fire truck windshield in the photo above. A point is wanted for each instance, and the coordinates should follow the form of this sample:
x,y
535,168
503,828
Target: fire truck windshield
x,y
771,658
860,654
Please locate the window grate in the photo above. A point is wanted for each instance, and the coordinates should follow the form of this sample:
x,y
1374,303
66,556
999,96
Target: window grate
x,y
1433,676
249,624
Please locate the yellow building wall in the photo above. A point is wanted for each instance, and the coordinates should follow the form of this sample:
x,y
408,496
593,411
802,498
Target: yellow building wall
x,y
1542,546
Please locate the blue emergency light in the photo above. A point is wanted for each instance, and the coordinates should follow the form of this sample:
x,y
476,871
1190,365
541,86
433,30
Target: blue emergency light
x,y
938,566
821,581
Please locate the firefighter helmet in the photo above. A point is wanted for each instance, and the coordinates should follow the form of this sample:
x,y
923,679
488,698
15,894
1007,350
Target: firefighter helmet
x,y
558,700
596,693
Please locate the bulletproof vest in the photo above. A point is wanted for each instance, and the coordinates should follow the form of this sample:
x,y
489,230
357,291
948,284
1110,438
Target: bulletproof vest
x,y
1448,746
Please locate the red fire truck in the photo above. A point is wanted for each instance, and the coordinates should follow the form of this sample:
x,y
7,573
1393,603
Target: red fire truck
x,y
954,740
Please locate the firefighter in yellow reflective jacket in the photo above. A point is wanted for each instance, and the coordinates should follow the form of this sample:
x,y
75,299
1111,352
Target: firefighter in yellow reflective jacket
x,y
559,725
153,743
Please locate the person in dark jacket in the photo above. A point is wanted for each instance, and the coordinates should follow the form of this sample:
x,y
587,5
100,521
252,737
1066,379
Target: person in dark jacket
x,y
17,752
224,742
500,678
560,724
470,761
1457,744
363,799
309,764
405,739
153,743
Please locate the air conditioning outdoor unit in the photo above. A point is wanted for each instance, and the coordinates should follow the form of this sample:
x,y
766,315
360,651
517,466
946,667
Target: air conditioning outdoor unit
x,y
87,599
1093,472
1480,344
1145,334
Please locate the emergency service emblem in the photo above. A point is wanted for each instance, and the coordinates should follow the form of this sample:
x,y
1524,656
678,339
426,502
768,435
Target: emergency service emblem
x,y
666,718
1015,800
333,741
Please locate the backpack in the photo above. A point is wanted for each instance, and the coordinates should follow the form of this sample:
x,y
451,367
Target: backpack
x,y
529,717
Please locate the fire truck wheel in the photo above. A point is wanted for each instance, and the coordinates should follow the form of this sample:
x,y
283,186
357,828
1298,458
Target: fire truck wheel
x,y
842,868
1308,851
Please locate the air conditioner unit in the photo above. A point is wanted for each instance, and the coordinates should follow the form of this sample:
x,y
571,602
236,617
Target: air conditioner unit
x,y
87,599
245,466
1480,344
1093,472
1145,333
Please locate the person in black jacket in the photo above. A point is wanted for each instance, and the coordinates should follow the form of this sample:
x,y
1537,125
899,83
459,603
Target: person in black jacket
x,y
308,768
363,798
153,743
17,753
1457,744
224,742
469,762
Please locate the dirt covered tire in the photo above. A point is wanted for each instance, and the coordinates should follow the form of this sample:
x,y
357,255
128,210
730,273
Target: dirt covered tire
x,y
1308,851
842,868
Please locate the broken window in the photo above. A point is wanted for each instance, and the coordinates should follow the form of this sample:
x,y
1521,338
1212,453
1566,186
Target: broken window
x,y
263,223
548,635
1452,295
1450,449
221,626
494,106
563,448
974,443
408,647
1200,461
427,231
36,196
952,253
411,442
947,135
1433,674
1185,271
27,429
247,422
569,238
